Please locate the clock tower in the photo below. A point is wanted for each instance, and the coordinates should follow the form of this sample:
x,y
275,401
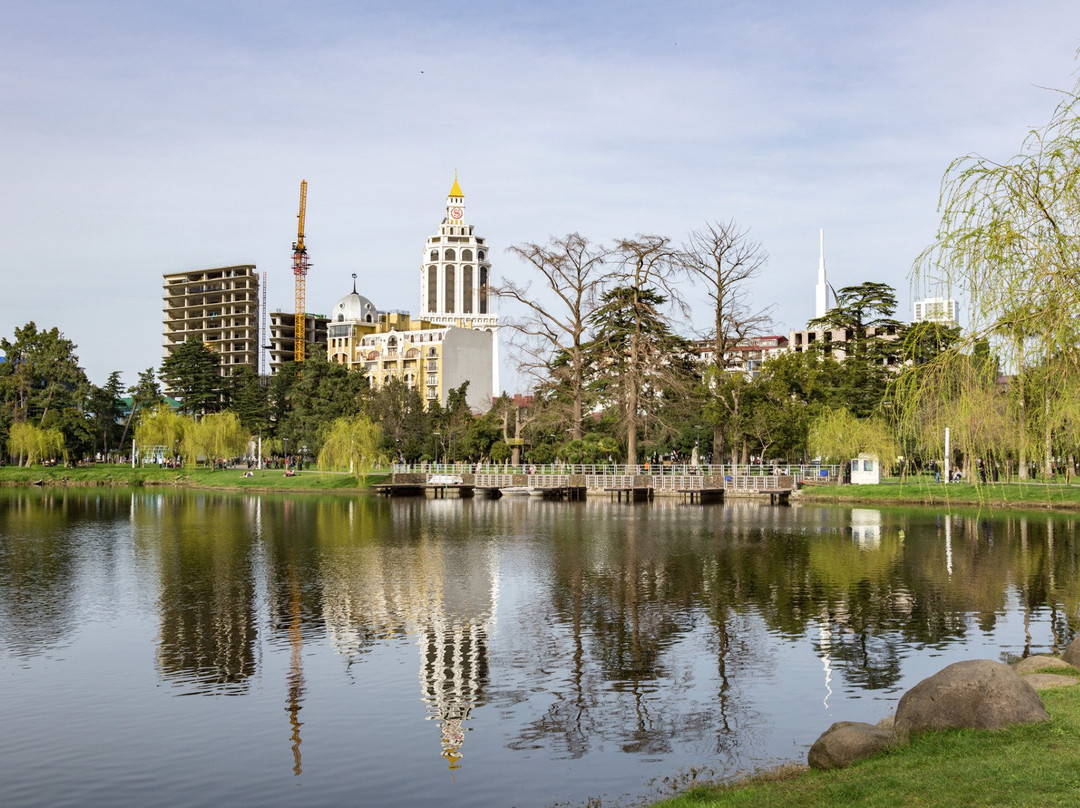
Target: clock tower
x,y
455,276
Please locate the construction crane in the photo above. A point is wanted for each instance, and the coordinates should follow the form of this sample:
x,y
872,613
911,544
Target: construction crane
x,y
300,270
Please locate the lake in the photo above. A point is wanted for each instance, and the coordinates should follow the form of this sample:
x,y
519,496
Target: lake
x,y
190,648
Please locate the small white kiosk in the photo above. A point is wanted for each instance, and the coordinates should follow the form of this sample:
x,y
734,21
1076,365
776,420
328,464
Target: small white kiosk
x,y
865,470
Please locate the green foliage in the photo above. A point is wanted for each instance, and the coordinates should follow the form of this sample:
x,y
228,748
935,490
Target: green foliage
x,y
104,410
33,444
161,427
248,399
303,405
219,435
400,413
839,436
353,443
41,383
192,374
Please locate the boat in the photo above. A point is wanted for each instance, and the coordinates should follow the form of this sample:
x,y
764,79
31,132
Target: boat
x,y
517,490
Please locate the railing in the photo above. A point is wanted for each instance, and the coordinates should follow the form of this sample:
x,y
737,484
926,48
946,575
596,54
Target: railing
x,y
681,474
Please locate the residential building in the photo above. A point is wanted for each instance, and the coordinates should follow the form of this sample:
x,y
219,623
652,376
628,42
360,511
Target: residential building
x,y
281,341
833,341
944,310
746,355
218,306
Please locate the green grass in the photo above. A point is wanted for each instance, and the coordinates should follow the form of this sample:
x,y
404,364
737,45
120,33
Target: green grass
x,y
924,491
231,479
1037,765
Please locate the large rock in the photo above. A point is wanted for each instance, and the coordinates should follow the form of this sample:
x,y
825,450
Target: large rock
x,y
979,694
846,742
1072,653
1041,662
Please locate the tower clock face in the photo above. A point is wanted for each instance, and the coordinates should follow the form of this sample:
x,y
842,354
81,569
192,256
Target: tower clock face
x,y
456,213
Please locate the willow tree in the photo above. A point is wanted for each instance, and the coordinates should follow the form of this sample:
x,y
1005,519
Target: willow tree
x,y
1009,238
30,443
352,443
161,427
839,436
217,435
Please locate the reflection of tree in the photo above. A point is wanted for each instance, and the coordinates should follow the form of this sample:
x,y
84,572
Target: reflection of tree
x,y
207,588
40,560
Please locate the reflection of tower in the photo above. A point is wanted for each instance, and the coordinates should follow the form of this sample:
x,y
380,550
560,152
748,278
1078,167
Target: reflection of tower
x,y
453,673
296,666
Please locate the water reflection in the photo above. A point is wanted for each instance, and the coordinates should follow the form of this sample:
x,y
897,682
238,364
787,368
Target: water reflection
x,y
554,631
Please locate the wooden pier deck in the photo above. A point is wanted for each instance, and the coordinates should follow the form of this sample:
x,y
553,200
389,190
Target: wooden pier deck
x,y
703,495
639,493
438,490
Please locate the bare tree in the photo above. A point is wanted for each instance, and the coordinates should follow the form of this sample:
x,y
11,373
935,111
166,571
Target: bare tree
x,y
550,337
723,257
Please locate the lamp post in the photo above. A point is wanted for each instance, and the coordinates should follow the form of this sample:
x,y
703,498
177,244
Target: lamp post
x,y
438,440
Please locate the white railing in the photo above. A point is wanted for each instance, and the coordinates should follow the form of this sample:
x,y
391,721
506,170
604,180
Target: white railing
x,y
656,470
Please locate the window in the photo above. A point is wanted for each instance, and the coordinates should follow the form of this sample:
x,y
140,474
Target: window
x,y
432,379
432,351
466,255
431,393
434,255
432,289
448,296
483,289
432,364
449,255
466,290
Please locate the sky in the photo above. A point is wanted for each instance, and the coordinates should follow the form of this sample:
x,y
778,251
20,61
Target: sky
x,y
142,138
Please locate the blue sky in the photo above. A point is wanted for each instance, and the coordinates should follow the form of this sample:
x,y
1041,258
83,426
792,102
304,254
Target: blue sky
x,y
141,138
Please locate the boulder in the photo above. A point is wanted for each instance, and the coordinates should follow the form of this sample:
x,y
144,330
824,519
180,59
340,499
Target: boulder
x,y
847,742
978,694
1072,653
1038,663
1046,681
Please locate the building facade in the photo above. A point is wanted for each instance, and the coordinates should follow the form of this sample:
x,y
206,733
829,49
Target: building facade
x,y
942,310
455,277
219,307
431,358
281,341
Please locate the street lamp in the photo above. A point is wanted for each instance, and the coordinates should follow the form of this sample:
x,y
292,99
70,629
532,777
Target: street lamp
x,y
438,440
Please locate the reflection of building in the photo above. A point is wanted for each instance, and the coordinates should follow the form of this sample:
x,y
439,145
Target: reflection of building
x,y
442,595
282,337
219,307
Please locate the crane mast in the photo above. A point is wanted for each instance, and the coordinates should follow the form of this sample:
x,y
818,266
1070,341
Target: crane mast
x,y
300,271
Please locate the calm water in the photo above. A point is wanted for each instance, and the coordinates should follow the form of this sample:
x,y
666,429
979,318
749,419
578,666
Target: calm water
x,y
195,649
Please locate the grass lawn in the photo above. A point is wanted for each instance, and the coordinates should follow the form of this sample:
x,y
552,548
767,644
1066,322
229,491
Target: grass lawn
x,y
265,480
923,490
1037,765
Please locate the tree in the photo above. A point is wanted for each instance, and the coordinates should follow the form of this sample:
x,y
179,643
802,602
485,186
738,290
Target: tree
x,y
303,406
145,394
104,407
192,373
839,436
353,443
1010,238
218,435
34,444
41,383
553,336
638,364
864,313
633,344
161,428
724,259
399,411
247,398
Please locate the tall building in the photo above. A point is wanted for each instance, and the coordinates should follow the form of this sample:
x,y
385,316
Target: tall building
x,y
938,310
218,306
821,291
281,341
455,277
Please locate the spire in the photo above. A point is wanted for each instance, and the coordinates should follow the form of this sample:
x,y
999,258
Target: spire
x,y
456,190
354,283
821,292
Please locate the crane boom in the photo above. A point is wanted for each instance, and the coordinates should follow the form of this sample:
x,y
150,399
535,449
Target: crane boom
x,y
300,270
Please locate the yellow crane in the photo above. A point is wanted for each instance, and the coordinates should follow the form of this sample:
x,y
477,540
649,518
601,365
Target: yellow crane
x,y
300,270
